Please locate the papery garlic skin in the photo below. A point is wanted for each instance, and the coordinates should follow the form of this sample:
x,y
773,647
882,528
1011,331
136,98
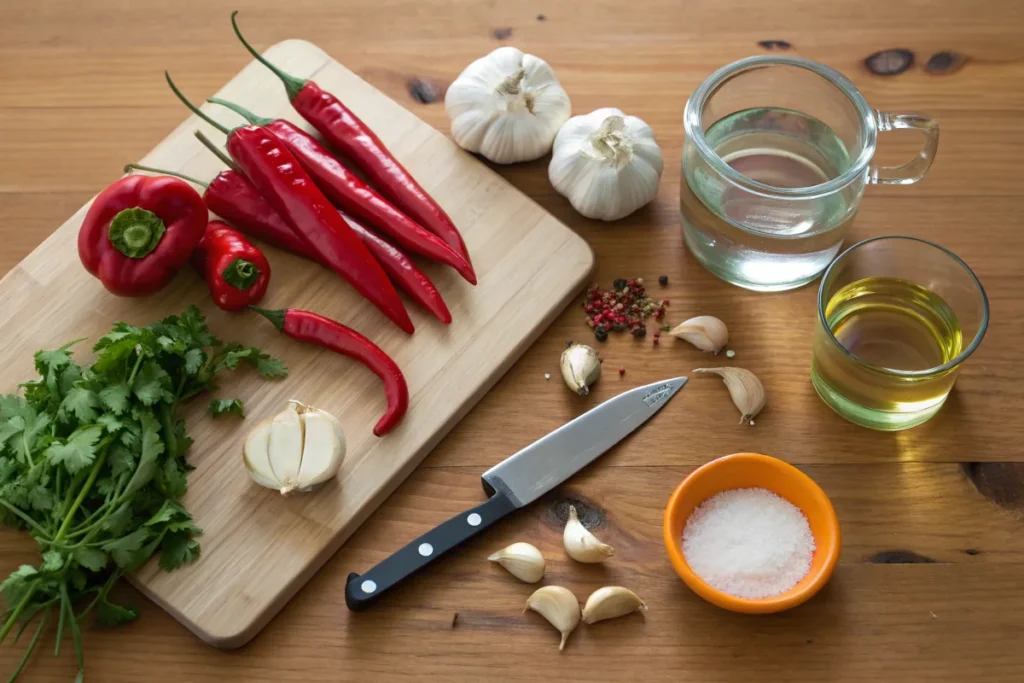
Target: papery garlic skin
x,y
507,106
706,332
522,560
745,390
580,544
606,163
559,606
611,602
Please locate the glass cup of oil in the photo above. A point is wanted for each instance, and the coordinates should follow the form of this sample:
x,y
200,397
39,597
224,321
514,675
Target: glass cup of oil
x,y
777,154
897,316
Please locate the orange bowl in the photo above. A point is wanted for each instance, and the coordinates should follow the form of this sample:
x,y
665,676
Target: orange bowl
x,y
752,470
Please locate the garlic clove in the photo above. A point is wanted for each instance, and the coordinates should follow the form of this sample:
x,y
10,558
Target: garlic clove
x,y
706,332
256,455
323,448
559,606
611,602
581,368
286,447
580,544
522,561
745,389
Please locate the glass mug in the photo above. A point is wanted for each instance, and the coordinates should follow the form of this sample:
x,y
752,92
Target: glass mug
x,y
775,159
897,316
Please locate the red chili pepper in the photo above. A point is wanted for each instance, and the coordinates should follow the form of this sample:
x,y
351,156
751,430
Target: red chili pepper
x,y
315,329
235,270
353,138
232,197
139,232
269,166
350,193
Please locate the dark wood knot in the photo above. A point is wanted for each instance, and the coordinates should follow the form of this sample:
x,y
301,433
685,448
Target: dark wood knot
x,y
425,91
774,44
541,17
503,33
899,557
890,62
591,516
945,62
1000,482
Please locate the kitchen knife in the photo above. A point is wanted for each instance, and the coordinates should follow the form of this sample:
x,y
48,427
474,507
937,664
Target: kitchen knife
x,y
517,481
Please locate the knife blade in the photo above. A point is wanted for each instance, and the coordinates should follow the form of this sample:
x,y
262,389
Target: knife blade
x,y
517,481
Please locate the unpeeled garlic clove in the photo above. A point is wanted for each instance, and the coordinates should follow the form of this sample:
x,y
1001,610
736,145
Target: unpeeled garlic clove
x,y
580,544
745,389
581,367
559,606
706,332
522,561
295,450
611,602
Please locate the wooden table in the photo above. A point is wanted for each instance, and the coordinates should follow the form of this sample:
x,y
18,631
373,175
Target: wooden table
x,y
930,585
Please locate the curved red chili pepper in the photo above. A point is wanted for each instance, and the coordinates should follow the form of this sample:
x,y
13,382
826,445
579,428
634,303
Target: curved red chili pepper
x,y
236,271
350,193
354,139
315,329
140,231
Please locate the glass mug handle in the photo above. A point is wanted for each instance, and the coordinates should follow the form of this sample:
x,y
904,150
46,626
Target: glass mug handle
x,y
913,170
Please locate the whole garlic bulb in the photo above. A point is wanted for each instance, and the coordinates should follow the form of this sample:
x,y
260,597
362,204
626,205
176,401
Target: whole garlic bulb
x,y
606,163
507,106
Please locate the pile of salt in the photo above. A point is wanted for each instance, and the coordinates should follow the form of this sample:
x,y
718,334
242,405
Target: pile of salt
x,y
749,543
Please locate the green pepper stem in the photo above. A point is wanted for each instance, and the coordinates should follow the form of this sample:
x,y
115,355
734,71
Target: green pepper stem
x,y
128,168
241,111
217,151
194,108
136,232
241,274
276,316
292,85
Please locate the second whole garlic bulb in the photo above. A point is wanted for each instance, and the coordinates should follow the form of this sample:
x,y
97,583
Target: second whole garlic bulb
x,y
507,106
606,163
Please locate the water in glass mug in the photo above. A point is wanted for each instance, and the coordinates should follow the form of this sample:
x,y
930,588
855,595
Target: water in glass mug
x,y
784,149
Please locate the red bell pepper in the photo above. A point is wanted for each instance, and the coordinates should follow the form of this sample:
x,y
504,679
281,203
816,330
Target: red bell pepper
x,y
140,231
343,130
236,271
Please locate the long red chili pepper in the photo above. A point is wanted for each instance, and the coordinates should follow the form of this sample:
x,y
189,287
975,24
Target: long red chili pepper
x,y
232,197
269,166
350,193
315,329
353,138
236,271
139,232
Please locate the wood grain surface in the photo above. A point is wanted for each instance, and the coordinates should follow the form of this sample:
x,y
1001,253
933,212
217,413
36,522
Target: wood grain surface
x,y
930,584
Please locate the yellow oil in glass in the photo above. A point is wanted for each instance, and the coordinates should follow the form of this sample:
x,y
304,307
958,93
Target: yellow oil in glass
x,y
886,327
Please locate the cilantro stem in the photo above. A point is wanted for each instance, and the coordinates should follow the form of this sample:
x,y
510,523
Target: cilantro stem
x,y
135,370
13,619
25,518
31,646
100,594
62,531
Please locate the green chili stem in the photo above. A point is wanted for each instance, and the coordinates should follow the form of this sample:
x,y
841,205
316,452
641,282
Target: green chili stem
x,y
128,168
217,151
241,111
194,108
292,85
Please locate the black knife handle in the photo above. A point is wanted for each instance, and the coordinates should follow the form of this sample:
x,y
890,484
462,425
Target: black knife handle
x,y
361,591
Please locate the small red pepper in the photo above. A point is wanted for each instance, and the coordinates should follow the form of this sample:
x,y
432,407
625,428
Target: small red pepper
x,y
350,193
353,138
275,172
315,329
140,231
235,270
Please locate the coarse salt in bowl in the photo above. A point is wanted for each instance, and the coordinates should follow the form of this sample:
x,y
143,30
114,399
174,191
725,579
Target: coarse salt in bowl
x,y
753,470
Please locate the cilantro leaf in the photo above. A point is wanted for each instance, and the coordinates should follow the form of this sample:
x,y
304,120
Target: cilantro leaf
x,y
115,398
121,460
23,428
78,452
223,406
170,510
110,424
152,447
119,520
17,584
40,498
125,550
82,403
172,480
151,384
178,549
194,359
52,561
109,614
270,367
92,559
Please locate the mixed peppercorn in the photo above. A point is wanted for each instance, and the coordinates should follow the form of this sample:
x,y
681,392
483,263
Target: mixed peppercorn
x,y
624,307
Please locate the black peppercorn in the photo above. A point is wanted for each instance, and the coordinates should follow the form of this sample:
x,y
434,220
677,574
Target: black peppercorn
x,y
601,334
619,285
663,280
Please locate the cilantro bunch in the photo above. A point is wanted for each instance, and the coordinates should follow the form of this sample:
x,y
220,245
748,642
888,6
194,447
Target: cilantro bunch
x,y
92,464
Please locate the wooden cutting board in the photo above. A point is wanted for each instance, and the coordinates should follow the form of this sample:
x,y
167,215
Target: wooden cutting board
x,y
259,548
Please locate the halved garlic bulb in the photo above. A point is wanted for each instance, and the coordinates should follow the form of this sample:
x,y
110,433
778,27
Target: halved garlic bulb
x,y
295,450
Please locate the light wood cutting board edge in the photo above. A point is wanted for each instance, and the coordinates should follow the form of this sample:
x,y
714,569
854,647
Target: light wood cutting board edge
x,y
252,628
